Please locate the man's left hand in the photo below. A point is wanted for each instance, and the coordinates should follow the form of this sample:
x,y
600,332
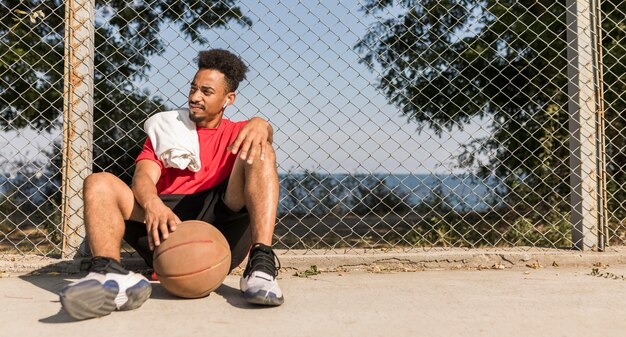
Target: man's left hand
x,y
252,140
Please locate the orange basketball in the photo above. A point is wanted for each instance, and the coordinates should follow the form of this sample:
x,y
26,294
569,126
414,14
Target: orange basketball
x,y
193,261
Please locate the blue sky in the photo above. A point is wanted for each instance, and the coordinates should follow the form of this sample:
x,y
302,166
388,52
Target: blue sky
x,y
306,80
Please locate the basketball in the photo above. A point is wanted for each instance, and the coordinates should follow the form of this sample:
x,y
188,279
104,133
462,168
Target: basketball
x,y
193,261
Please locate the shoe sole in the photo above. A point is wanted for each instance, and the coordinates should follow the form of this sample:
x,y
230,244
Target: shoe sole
x,y
137,295
263,298
89,299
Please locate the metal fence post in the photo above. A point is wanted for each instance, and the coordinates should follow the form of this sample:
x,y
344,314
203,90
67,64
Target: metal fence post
x,y
603,210
77,119
582,124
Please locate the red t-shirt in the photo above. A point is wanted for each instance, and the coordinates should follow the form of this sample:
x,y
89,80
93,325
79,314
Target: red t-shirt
x,y
216,162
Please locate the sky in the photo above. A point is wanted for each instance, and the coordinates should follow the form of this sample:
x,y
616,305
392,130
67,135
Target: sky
x,y
305,79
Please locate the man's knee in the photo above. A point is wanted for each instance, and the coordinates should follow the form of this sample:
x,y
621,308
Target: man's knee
x,y
98,184
267,166
258,166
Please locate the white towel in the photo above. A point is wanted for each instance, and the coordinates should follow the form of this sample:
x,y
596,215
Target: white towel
x,y
174,139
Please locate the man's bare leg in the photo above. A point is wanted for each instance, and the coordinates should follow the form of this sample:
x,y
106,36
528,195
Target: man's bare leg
x,y
255,186
108,286
108,202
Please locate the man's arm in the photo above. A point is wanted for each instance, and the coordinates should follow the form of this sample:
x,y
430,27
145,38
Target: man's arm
x,y
253,139
159,218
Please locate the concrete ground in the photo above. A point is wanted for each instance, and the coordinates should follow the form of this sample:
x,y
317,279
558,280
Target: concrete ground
x,y
548,301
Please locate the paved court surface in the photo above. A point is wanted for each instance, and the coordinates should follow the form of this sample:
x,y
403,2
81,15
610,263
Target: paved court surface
x,y
548,301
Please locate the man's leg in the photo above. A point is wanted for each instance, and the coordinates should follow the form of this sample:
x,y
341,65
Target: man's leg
x,y
108,286
255,186
108,202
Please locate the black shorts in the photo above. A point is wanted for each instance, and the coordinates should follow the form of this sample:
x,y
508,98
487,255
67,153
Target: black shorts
x,y
207,205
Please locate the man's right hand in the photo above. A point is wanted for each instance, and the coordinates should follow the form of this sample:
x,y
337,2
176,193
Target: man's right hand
x,y
160,221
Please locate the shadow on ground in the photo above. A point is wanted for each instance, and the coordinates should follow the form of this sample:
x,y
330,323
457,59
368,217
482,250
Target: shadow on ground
x,y
56,276
53,278
234,297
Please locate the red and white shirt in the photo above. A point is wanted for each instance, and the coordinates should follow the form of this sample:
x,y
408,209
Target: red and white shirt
x,y
216,162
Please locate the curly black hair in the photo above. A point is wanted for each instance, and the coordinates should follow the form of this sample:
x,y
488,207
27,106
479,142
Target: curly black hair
x,y
227,63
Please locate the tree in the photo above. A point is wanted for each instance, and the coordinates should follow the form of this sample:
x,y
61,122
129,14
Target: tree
x,y
374,196
126,36
614,47
27,202
310,193
445,63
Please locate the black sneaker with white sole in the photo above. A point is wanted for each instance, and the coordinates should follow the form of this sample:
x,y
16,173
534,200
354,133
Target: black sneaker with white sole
x,y
258,282
107,287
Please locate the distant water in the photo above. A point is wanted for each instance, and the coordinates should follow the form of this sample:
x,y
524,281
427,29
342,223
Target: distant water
x,y
461,192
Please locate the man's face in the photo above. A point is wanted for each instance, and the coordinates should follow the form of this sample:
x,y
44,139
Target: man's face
x,y
207,96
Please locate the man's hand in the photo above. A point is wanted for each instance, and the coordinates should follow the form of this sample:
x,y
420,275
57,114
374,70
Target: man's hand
x,y
252,140
160,221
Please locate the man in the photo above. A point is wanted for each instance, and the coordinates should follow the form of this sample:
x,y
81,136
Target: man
x,y
235,189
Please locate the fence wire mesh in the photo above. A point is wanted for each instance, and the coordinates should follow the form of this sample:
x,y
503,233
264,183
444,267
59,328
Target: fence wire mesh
x,y
398,124
614,60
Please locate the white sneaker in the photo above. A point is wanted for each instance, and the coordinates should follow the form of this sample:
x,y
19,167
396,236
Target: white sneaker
x,y
107,287
134,290
258,283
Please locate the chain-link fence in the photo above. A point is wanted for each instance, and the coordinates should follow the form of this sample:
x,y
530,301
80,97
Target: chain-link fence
x,y
433,123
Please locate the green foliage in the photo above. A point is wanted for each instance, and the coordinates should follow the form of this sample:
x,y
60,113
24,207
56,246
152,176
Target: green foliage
x,y
374,196
445,63
7,207
437,223
309,193
523,233
554,232
29,213
437,220
614,59
126,36
312,271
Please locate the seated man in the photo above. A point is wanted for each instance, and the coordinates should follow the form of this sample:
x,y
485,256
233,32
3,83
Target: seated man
x,y
235,189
